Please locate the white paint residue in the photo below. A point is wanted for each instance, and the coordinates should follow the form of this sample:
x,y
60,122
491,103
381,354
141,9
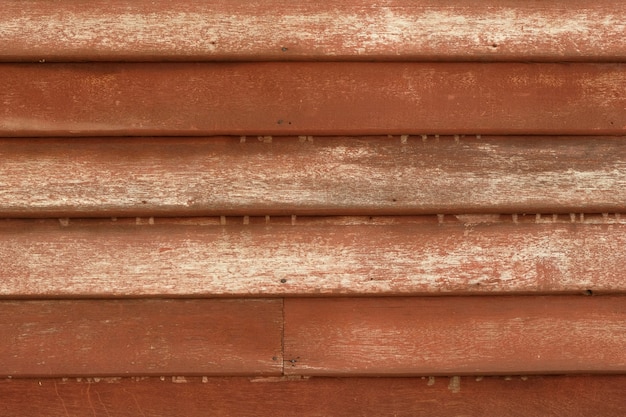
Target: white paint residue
x,y
455,384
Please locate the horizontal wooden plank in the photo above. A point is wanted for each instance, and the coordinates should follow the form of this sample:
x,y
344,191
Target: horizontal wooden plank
x,y
455,335
532,396
314,98
311,175
162,259
140,337
334,30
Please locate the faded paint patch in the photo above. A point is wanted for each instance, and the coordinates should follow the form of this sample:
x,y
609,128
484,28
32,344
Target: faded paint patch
x,y
356,30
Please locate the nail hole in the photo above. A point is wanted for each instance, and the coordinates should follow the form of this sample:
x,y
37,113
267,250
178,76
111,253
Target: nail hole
x,y
283,280
284,49
588,292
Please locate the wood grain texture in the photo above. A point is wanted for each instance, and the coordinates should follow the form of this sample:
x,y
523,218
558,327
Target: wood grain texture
x,y
335,98
332,30
310,175
164,259
140,337
455,335
532,396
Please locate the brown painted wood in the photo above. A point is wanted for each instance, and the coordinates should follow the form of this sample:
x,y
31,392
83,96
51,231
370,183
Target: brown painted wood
x,y
162,259
140,337
532,396
333,30
455,335
335,98
310,175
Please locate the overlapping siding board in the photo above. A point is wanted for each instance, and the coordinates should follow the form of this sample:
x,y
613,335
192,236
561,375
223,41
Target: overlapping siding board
x,y
343,208
519,396
113,259
312,98
281,30
310,175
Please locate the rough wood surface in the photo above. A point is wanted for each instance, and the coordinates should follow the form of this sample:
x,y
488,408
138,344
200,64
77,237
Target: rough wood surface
x,y
161,259
532,396
333,98
333,30
311,175
455,335
140,337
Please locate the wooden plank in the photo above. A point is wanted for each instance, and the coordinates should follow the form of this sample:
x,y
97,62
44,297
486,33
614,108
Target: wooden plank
x,y
532,396
455,335
311,175
333,30
140,337
333,98
164,259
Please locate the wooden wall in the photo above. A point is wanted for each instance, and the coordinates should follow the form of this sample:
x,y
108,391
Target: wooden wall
x,y
329,208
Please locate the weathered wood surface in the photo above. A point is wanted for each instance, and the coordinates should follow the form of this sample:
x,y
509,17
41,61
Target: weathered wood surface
x,y
532,396
140,337
333,30
455,335
311,175
313,258
332,98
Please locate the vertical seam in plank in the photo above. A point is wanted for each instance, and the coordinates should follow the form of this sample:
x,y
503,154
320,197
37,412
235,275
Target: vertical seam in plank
x,y
282,338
